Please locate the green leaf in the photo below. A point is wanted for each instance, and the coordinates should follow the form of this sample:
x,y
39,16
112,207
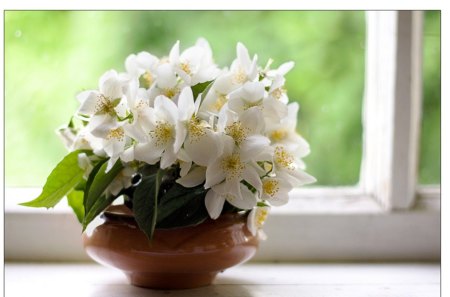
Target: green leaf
x,y
177,197
66,175
75,201
98,181
192,213
145,202
100,204
200,88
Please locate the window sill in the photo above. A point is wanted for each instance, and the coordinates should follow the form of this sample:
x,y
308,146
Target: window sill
x,y
317,225
255,280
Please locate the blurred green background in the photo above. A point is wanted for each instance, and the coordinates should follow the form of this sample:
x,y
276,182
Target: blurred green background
x,y
50,56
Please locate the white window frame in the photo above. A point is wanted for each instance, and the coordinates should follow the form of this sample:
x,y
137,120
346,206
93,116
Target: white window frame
x,y
385,217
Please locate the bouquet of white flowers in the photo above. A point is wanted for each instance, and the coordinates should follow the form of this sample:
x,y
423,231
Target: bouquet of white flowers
x,y
181,140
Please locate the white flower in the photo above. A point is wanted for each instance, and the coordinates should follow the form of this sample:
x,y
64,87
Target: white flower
x,y
166,83
285,134
195,65
201,143
159,125
217,97
216,197
225,174
253,94
142,66
106,100
275,190
139,105
114,140
289,167
243,69
246,130
250,95
256,218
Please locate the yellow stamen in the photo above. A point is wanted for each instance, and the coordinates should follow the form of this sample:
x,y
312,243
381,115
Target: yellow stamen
x,y
170,92
162,134
117,133
232,166
240,76
278,93
220,102
278,135
261,216
195,128
104,105
238,132
271,187
283,158
186,68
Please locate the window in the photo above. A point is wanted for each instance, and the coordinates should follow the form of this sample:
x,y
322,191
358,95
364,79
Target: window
x,y
384,216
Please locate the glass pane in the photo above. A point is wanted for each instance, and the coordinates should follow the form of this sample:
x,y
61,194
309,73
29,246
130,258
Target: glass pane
x,y
430,146
50,56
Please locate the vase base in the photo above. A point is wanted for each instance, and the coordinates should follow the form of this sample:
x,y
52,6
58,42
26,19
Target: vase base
x,y
170,281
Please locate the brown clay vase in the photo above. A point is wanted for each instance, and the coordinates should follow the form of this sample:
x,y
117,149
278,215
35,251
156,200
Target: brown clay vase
x,y
180,258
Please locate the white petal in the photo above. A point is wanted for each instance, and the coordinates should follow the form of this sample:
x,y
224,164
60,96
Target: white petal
x,y
180,135
204,149
251,225
114,147
166,76
175,53
186,104
253,119
251,176
253,146
185,166
242,55
296,177
111,163
135,131
248,200
88,101
111,86
194,178
166,108
101,125
128,154
168,157
214,174
214,204
148,153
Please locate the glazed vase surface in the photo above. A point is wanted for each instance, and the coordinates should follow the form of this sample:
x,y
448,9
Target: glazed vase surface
x,y
179,258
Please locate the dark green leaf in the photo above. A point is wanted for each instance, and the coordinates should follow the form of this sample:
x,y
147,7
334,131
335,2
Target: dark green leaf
x,y
66,175
192,213
75,201
145,202
176,198
100,204
98,181
200,88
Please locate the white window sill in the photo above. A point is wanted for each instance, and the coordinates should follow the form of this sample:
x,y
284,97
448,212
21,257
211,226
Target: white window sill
x,y
336,280
317,225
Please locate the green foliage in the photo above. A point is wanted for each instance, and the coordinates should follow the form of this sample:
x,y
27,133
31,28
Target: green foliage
x,y
98,181
176,207
95,198
180,206
200,88
145,202
66,175
75,201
